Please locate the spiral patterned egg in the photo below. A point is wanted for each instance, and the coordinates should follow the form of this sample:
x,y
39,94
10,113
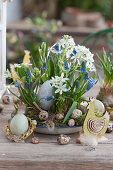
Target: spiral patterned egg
x,y
96,126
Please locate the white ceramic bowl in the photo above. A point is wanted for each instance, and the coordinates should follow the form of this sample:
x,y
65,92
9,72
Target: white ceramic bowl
x,y
58,130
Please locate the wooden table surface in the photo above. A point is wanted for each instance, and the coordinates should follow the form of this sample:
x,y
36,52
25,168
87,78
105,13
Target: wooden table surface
x,y
48,155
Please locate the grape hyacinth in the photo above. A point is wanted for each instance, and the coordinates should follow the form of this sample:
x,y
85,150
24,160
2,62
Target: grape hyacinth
x,y
91,83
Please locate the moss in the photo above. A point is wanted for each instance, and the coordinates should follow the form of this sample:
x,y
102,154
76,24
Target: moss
x,y
58,123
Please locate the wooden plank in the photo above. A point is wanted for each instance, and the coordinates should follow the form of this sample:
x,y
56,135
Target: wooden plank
x,y
52,152
21,25
17,165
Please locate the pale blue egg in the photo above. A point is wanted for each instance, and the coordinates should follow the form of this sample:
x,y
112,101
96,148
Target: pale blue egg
x,y
45,90
19,124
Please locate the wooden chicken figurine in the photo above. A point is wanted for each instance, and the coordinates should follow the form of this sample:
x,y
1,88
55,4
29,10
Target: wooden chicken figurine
x,y
26,59
95,124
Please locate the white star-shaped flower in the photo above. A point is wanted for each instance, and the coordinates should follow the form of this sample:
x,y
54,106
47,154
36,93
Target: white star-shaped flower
x,y
61,88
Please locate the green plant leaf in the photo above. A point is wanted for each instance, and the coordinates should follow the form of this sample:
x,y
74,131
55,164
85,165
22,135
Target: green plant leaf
x,y
106,71
70,79
97,65
102,32
70,111
14,94
52,68
33,62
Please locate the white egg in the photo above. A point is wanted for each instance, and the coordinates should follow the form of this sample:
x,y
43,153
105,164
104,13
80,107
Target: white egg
x,y
99,106
45,90
19,124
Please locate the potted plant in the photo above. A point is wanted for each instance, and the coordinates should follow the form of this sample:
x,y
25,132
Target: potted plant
x,y
52,89
106,90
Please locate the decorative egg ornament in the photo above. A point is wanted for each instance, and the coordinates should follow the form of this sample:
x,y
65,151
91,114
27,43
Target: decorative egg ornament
x,y
45,90
19,124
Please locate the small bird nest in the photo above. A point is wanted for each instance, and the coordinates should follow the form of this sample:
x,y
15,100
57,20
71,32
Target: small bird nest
x,y
18,138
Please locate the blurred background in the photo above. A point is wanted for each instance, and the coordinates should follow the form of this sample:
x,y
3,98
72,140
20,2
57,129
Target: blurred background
x,y
29,22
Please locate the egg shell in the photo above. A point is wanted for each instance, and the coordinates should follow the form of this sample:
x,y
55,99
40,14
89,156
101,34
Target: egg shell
x,y
45,90
99,106
19,124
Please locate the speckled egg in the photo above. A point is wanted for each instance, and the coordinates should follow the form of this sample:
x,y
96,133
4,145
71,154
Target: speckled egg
x,y
99,106
1,107
84,103
71,122
76,113
35,140
6,99
43,115
15,100
45,90
84,106
63,139
19,124
111,115
110,128
59,116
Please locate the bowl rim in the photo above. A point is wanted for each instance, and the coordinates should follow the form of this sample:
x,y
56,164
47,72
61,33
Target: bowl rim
x,y
58,127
